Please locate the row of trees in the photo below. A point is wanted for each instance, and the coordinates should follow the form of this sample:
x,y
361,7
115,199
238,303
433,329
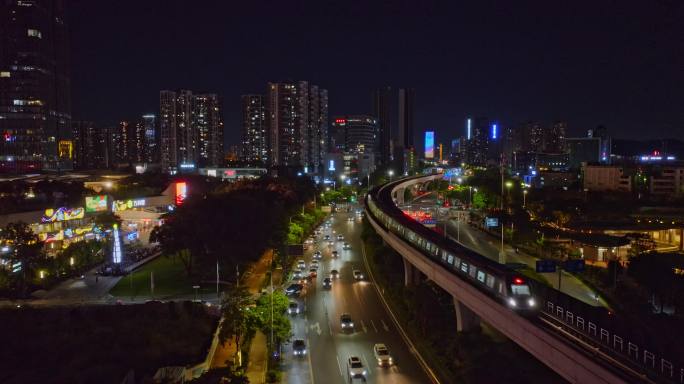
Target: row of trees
x,y
233,224
242,317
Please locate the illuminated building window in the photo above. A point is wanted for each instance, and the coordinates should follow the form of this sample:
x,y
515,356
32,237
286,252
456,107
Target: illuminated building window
x,y
4,74
35,33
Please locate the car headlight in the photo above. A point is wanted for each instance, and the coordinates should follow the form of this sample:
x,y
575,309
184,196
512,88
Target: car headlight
x,y
379,361
531,302
364,372
511,302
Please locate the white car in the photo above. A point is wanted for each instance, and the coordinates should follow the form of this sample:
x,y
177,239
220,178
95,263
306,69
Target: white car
x,y
340,237
301,264
382,355
356,368
346,321
317,255
358,275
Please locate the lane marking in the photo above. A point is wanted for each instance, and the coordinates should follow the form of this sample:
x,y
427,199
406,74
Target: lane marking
x,y
373,324
384,325
370,367
308,357
337,357
363,325
407,340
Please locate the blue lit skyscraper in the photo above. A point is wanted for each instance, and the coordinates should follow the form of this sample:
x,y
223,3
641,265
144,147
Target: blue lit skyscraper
x,y
429,145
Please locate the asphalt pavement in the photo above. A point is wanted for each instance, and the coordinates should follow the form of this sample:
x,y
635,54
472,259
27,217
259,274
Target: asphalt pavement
x,y
329,346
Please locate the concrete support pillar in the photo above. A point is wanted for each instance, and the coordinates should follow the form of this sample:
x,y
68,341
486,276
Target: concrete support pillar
x,y
411,274
466,320
681,239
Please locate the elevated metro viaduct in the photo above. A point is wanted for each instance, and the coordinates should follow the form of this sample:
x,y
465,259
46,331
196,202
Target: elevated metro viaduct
x,y
572,356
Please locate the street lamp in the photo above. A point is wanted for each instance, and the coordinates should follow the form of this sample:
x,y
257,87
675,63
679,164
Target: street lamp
x,y
524,197
390,173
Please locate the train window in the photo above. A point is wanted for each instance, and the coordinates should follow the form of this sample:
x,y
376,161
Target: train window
x,y
473,271
480,276
520,289
490,281
444,255
464,267
450,260
457,261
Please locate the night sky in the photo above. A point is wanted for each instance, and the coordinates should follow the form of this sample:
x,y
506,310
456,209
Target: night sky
x,y
616,63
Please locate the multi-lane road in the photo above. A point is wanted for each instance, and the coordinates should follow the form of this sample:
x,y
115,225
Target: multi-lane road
x,y
329,346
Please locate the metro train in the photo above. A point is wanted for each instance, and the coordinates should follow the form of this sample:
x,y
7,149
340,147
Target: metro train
x,y
498,281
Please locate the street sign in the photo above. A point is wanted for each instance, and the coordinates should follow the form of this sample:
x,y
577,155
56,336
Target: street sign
x,y
574,265
491,222
546,266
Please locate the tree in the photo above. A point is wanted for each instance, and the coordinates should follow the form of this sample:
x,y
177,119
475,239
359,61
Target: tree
x,y
26,248
281,323
562,218
479,200
236,316
658,273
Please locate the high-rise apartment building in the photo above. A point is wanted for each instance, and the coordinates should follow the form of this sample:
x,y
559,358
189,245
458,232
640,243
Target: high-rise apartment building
x,y
91,145
191,130
147,126
206,121
555,140
358,132
477,146
254,130
298,125
405,149
406,117
382,112
35,106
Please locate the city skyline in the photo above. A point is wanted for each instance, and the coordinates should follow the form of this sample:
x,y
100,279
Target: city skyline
x,y
502,68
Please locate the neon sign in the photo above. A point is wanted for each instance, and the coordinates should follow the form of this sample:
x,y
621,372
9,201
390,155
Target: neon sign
x,y
181,192
122,205
62,214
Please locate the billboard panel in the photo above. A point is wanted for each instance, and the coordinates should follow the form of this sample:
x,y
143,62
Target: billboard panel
x,y
96,203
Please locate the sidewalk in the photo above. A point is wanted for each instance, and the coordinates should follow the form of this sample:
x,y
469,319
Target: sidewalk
x,y
258,359
253,279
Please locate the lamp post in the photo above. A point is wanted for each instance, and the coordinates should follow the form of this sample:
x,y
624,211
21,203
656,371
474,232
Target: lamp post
x,y
524,197
390,173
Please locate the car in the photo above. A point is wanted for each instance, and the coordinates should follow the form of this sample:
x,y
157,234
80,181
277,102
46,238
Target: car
x,y
301,264
335,253
313,266
310,240
330,243
294,289
340,237
356,368
334,274
327,283
326,237
297,274
346,246
293,308
358,275
382,355
299,347
346,321
317,255
313,272
350,219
